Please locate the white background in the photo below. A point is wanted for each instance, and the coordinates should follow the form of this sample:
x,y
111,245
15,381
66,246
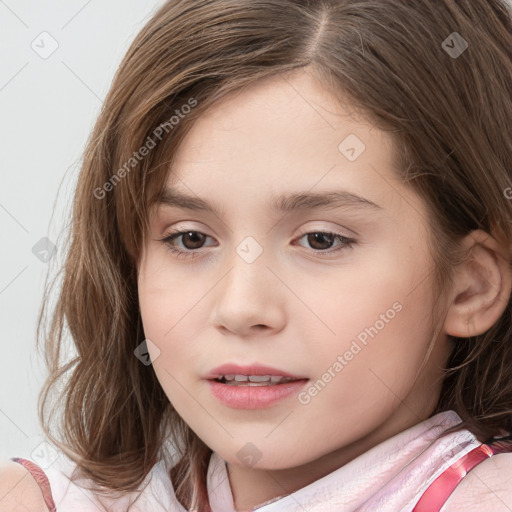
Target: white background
x,y
47,109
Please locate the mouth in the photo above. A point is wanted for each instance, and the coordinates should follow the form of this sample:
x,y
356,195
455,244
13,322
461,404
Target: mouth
x,y
239,391
252,375
255,380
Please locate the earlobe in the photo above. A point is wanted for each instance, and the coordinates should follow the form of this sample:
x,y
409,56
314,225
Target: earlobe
x,y
482,286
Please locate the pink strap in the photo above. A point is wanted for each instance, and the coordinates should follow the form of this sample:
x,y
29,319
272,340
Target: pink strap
x,y
41,479
442,487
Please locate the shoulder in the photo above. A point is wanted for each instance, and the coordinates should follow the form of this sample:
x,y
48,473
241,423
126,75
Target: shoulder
x,y
19,490
487,487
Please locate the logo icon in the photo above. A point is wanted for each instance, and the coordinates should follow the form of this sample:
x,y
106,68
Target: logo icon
x,y
147,352
454,45
351,147
44,455
249,249
44,45
249,455
44,249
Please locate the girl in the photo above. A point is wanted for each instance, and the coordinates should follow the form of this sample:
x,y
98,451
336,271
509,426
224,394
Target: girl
x,y
289,279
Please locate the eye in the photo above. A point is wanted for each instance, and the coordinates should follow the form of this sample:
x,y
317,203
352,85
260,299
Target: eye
x,y
190,238
193,240
318,240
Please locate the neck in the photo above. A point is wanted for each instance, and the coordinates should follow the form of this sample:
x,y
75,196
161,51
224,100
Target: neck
x,y
253,487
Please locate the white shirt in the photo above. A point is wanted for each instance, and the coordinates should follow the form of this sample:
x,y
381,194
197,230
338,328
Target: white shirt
x,y
390,477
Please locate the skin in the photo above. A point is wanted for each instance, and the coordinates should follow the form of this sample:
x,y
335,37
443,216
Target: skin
x,y
292,308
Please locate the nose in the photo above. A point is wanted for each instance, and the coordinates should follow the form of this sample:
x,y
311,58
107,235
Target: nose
x,y
249,299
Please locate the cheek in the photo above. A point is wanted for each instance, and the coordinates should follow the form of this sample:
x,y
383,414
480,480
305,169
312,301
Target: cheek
x,y
375,318
168,304
167,294
168,321
354,298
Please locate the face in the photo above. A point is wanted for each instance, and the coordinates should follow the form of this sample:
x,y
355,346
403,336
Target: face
x,y
338,293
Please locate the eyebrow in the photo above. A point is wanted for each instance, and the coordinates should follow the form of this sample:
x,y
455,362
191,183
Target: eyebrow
x,y
283,203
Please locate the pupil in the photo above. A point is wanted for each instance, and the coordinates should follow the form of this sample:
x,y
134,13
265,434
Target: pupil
x,y
192,234
320,236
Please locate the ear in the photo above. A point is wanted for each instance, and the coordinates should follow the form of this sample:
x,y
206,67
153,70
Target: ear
x,y
482,285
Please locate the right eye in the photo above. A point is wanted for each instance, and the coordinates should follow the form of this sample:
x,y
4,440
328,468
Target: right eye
x,y
191,237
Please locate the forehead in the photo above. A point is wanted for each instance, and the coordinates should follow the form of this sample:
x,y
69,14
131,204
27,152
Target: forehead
x,y
281,132
280,146
294,115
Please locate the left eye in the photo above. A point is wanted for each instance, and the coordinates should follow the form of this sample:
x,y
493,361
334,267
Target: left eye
x,y
319,237
195,239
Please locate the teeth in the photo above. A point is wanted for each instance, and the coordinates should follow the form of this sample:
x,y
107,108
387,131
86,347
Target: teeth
x,y
259,378
253,379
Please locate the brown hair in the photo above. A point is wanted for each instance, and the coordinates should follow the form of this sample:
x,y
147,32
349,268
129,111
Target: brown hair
x,y
449,114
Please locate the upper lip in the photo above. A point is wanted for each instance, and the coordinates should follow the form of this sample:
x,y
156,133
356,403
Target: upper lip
x,y
253,369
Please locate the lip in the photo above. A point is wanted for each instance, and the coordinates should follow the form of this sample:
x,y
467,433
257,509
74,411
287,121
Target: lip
x,y
254,397
253,369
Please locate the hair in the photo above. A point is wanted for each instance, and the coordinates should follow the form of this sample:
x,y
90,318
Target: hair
x,y
450,117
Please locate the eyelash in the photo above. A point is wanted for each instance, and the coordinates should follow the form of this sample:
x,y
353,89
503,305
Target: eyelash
x,y
346,243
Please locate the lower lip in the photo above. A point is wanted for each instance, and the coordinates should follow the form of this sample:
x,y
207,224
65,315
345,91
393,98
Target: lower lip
x,y
254,397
